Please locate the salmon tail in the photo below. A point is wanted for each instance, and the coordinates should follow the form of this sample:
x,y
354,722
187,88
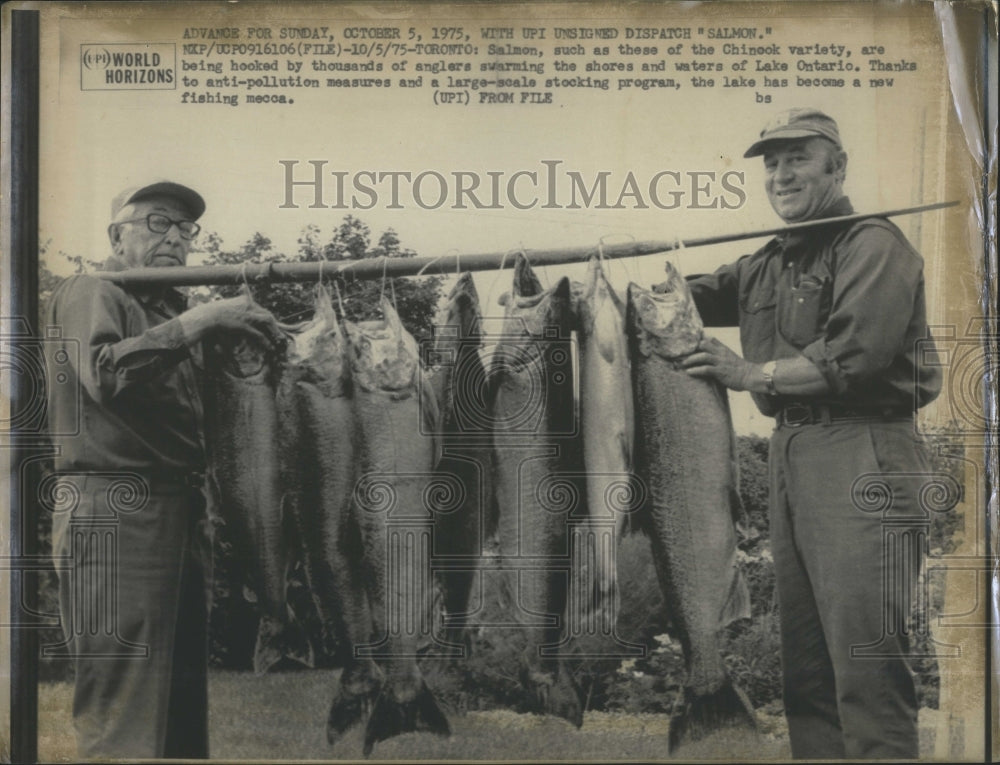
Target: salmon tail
x,y
390,717
278,640
352,704
702,715
558,694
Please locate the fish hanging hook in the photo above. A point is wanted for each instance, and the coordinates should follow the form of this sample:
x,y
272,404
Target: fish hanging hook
x,y
319,281
673,257
284,320
458,259
631,272
503,261
543,270
385,262
340,300
431,262
428,264
246,281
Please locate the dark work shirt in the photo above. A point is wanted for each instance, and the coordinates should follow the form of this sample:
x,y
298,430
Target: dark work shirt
x,y
849,297
132,383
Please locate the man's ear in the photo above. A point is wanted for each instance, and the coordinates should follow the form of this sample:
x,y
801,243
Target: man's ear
x,y
840,166
115,236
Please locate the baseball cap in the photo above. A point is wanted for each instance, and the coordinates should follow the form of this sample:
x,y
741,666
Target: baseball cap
x,y
801,122
190,198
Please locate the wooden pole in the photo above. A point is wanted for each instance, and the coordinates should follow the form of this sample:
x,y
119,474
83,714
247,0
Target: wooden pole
x,y
374,268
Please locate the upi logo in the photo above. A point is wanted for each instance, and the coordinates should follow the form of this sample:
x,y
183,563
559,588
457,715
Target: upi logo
x,y
94,57
128,66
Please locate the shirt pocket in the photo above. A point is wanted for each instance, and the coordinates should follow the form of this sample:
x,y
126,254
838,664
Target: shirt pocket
x,y
802,313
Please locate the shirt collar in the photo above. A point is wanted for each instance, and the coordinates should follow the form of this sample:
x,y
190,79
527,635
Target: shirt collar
x,y
796,239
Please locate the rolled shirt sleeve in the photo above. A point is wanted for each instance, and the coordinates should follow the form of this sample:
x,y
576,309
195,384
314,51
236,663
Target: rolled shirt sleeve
x,y
97,314
878,277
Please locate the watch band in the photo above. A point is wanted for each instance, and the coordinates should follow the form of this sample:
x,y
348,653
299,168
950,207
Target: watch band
x,y
768,370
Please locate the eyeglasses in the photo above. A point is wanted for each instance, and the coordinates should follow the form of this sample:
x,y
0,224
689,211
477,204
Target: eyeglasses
x,y
160,224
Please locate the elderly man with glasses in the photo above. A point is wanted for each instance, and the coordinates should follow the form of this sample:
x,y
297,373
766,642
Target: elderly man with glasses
x,y
133,552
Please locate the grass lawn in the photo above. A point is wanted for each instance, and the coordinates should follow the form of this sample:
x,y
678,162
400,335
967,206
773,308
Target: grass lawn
x,y
283,717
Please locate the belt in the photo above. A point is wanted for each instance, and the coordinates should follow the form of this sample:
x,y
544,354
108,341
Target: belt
x,y
797,414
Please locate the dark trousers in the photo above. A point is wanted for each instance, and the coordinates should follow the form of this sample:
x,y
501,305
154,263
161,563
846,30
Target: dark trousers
x,y
134,600
847,536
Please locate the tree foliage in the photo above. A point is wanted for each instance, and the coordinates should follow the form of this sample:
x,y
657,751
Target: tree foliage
x,y
415,299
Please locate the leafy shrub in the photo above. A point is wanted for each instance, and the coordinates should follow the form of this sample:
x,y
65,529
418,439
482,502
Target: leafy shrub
x,y
753,657
754,487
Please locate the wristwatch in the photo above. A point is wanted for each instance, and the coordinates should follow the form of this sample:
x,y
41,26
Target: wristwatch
x,y
768,371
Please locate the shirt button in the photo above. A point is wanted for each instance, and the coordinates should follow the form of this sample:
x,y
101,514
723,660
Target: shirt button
x,y
802,300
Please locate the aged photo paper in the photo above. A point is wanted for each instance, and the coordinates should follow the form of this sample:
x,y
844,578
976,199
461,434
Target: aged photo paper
x,y
454,129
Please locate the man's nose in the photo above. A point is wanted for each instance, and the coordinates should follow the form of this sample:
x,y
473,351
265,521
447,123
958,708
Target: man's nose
x,y
173,234
783,171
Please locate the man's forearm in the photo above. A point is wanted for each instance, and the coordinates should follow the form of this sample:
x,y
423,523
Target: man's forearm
x,y
194,324
796,376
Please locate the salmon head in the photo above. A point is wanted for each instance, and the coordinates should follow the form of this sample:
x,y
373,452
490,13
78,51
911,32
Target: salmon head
x,y
241,356
238,355
596,295
460,316
383,355
317,348
535,345
457,371
664,320
533,311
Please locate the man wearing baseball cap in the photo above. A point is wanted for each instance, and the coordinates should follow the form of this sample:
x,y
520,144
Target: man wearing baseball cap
x,y
133,553
829,317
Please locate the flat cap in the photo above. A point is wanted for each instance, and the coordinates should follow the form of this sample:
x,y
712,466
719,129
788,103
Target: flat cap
x,y
801,122
189,198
